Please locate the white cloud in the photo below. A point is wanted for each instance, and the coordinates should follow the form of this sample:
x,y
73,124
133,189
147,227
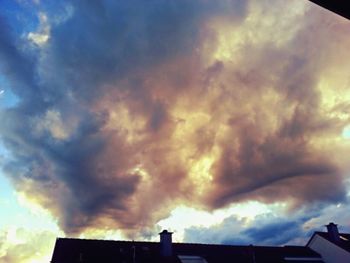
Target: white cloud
x,y
24,246
41,36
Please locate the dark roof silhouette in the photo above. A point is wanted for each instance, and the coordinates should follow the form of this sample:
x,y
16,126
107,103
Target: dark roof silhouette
x,y
344,240
341,7
82,250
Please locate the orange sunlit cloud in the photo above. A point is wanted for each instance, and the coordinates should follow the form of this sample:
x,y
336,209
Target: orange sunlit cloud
x,y
127,118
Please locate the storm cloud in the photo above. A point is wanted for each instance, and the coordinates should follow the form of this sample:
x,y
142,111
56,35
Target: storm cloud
x,y
266,229
127,109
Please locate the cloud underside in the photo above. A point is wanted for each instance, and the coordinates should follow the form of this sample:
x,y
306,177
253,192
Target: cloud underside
x,y
265,230
126,112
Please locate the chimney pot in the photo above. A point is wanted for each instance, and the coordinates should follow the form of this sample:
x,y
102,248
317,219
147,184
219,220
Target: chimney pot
x,y
166,247
333,232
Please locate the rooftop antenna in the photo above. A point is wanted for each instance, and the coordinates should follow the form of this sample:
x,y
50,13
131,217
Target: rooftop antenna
x,y
133,253
252,253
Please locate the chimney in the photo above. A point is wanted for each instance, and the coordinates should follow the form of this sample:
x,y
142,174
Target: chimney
x,y
333,233
166,247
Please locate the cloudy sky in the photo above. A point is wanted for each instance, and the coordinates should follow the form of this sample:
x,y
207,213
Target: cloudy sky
x,y
224,121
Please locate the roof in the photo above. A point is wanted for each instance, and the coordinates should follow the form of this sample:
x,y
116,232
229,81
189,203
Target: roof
x,y
83,250
344,242
340,7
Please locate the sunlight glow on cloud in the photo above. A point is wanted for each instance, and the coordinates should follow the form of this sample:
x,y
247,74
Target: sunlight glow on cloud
x,y
25,246
188,115
27,232
41,37
184,217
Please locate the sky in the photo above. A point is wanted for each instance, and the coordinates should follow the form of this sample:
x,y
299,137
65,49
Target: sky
x,y
223,121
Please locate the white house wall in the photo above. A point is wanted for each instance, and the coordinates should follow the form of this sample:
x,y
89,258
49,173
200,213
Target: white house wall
x,y
330,253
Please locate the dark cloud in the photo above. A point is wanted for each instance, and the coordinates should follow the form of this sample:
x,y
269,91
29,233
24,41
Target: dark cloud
x,y
131,108
105,41
275,233
16,64
268,151
277,160
265,229
272,228
63,154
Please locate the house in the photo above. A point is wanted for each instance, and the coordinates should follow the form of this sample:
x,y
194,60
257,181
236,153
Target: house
x,y
334,247
81,250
